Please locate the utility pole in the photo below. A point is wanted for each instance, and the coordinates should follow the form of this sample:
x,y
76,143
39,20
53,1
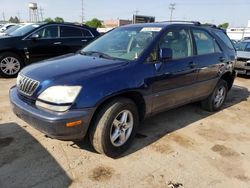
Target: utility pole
x,y
172,8
3,17
41,13
135,14
18,16
82,16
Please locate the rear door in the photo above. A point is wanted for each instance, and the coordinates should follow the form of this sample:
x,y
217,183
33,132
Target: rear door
x,y
174,79
74,38
210,60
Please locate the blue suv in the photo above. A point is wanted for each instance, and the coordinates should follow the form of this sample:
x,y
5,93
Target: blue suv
x,y
128,74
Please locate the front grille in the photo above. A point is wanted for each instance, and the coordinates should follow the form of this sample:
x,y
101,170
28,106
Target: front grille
x,y
26,85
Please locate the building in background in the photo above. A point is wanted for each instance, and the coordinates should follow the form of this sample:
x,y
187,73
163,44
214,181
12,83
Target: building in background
x,y
239,33
116,23
111,24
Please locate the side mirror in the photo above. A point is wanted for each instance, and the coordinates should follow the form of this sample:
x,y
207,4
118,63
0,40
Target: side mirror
x,y
34,37
166,54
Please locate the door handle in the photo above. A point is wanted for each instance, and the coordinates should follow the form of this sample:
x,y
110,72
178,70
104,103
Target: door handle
x,y
57,43
192,64
84,40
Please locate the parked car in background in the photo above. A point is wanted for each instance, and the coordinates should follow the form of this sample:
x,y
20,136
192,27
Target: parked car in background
x,y
6,26
10,30
129,73
242,65
36,42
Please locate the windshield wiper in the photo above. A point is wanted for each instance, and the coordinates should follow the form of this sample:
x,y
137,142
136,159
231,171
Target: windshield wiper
x,y
99,54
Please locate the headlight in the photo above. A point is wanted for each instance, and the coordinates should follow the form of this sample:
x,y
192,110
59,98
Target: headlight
x,y
58,98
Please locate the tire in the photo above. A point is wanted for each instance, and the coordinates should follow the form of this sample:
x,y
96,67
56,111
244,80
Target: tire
x,y
105,127
14,62
217,98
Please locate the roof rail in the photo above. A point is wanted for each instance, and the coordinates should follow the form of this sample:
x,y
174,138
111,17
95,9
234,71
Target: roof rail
x,y
180,21
209,25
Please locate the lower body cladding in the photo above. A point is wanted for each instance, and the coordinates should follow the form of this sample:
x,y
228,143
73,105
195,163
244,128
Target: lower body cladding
x,y
242,67
71,125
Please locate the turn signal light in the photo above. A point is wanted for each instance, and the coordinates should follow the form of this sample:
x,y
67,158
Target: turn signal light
x,y
74,123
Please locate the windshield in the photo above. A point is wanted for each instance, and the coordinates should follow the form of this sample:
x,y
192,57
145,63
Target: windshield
x,y
125,43
24,30
241,46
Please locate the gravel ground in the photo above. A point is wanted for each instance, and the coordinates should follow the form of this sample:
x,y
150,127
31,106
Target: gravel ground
x,y
185,147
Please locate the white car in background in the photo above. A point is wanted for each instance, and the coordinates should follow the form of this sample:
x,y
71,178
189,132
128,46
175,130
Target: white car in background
x,y
6,26
10,29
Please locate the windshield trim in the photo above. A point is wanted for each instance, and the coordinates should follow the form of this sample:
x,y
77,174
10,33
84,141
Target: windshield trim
x,y
101,55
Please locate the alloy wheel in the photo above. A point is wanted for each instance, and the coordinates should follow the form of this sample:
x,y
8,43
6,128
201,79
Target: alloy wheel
x,y
121,128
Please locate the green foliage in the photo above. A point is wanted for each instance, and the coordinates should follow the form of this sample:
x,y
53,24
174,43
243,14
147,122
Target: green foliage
x,y
48,20
224,25
14,20
59,19
94,23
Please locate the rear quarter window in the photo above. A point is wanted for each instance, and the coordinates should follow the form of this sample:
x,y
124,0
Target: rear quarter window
x,y
224,38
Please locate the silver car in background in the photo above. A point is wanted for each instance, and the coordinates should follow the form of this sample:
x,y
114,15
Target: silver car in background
x,y
242,65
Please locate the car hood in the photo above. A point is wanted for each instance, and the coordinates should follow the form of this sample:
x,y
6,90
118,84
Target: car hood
x,y
70,67
8,41
243,54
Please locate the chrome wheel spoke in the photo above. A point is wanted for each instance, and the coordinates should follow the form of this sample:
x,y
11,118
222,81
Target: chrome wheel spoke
x,y
124,117
123,137
115,135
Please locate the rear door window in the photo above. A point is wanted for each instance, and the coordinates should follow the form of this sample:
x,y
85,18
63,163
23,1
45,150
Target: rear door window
x,y
205,44
66,31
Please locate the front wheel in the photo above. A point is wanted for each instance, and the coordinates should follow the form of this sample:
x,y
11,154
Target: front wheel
x,y
115,127
10,65
215,101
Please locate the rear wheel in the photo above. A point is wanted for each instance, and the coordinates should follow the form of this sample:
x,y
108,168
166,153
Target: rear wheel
x,y
115,127
215,101
10,65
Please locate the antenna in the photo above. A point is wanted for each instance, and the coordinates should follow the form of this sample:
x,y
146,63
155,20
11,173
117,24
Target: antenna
x,y
172,8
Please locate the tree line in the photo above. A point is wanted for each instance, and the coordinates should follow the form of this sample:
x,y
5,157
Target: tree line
x,y
96,23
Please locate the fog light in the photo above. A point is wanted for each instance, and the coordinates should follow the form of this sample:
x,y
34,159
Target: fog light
x,y
74,123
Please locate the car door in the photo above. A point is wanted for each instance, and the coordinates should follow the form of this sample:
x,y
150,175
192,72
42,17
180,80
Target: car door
x,y
46,45
74,38
174,79
210,60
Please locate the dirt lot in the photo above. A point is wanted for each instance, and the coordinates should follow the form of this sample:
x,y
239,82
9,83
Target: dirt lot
x,y
186,147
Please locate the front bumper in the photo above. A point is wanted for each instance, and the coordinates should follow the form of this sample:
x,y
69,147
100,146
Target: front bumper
x,y
242,67
50,123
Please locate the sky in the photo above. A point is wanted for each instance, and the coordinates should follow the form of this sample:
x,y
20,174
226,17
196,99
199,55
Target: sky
x,y
236,12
